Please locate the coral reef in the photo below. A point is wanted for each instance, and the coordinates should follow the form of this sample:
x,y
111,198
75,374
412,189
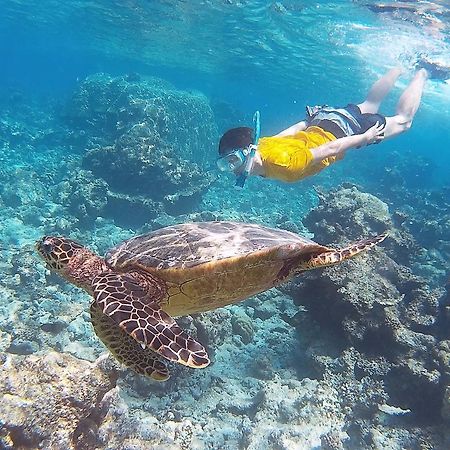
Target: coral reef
x,y
99,405
391,317
334,360
407,182
145,142
148,167
54,401
105,108
351,214
242,326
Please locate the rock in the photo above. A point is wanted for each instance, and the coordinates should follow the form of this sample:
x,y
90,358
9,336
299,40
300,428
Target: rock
x,y
446,405
346,214
108,107
22,347
331,441
52,401
85,195
377,306
147,155
144,165
213,327
243,326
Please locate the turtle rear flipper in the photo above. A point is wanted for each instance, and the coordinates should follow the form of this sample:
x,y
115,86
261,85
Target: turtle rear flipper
x,y
130,306
332,257
125,349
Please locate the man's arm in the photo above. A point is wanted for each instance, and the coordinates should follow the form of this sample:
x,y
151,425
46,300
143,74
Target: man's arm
x,y
341,145
294,129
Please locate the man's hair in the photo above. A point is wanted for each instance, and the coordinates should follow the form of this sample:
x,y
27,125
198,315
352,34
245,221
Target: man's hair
x,y
235,138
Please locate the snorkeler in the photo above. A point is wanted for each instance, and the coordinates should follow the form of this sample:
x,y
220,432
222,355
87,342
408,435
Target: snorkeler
x,y
309,146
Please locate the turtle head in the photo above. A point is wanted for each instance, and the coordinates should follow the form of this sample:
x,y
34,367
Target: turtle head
x,y
71,260
57,251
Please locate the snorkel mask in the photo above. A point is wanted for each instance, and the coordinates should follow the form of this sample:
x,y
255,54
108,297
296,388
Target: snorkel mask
x,y
241,159
233,160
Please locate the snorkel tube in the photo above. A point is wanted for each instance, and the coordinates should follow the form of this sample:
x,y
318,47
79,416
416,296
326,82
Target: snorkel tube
x,y
240,182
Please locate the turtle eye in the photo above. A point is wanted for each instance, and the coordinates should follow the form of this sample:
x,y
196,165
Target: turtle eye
x,y
47,247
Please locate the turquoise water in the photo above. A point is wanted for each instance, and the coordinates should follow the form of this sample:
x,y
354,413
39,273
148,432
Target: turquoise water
x,y
110,117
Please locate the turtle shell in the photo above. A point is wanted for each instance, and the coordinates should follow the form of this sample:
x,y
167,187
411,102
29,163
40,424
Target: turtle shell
x,y
190,244
210,264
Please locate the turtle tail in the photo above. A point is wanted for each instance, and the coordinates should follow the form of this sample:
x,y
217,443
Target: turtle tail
x,y
332,257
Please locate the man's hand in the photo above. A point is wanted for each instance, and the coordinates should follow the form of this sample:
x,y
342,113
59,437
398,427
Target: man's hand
x,y
375,134
339,146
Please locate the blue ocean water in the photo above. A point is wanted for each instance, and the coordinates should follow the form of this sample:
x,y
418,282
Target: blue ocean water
x,y
110,117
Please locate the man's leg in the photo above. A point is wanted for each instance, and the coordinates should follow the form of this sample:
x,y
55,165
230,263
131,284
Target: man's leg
x,y
379,90
407,106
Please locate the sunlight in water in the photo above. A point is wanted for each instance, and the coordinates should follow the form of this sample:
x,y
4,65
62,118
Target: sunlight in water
x,y
177,322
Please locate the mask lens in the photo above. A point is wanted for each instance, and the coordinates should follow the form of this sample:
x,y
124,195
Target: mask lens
x,y
231,162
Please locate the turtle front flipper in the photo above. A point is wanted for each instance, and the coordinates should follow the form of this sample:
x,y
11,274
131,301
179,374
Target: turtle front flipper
x,y
125,349
139,314
332,257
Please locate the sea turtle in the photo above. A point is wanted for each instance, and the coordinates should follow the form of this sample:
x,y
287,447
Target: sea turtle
x,y
183,269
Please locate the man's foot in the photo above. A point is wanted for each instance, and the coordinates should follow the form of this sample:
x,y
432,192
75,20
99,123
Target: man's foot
x,y
424,73
434,70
